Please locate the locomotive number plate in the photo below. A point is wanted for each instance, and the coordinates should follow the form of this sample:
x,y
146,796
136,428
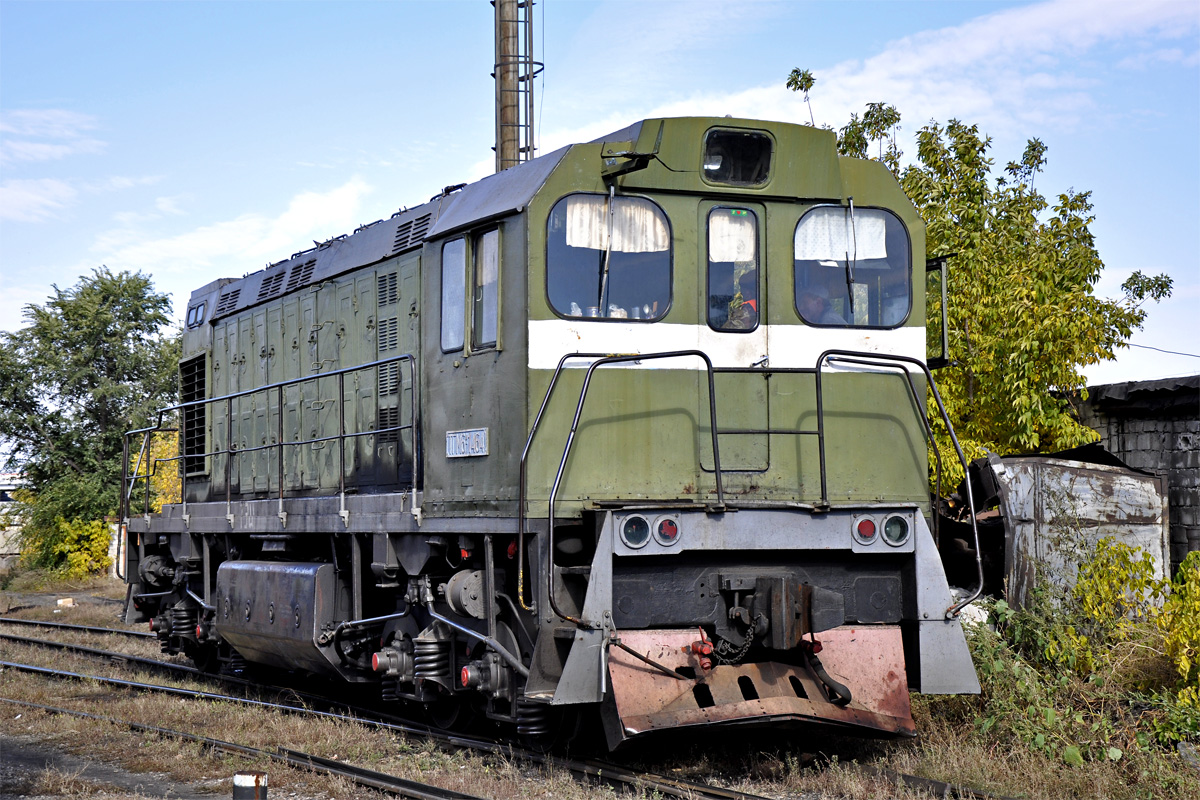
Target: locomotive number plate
x,y
461,444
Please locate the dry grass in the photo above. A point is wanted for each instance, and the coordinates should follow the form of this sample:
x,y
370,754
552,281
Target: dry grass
x,y
53,783
189,762
18,581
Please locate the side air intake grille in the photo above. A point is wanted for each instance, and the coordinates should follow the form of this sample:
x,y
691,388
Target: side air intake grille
x,y
389,379
191,376
389,418
387,289
388,335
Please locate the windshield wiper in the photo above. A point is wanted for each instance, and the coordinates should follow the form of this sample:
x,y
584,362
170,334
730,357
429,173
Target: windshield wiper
x,y
852,239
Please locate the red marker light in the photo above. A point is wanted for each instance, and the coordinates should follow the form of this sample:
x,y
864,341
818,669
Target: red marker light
x,y
866,529
375,661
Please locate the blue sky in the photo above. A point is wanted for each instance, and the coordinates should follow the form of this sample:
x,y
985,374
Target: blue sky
x,y
192,140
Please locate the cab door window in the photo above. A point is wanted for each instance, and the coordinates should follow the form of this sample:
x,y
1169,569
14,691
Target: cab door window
x,y
733,302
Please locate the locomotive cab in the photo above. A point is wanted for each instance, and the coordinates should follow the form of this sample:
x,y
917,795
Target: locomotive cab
x,y
637,425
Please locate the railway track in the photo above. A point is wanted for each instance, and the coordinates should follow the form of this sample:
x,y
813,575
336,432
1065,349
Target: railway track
x,y
80,628
310,704
593,770
362,776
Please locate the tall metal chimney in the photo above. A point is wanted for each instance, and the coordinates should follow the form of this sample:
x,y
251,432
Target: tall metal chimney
x,y
514,73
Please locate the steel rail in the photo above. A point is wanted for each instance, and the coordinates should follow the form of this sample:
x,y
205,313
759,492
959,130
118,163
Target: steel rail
x,y
229,680
200,694
165,666
607,772
69,626
589,769
362,776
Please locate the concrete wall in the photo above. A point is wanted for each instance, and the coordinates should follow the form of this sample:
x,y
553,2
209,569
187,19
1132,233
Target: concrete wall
x,y
1155,426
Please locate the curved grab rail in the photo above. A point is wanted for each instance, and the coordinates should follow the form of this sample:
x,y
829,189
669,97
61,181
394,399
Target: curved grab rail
x,y
889,361
601,359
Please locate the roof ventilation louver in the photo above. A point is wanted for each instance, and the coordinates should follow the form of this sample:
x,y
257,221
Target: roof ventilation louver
x,y
227,303
420,226
300,275
271,285
411,233
402,232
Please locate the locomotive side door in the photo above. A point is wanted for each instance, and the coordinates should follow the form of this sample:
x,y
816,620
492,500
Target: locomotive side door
x,y
733,329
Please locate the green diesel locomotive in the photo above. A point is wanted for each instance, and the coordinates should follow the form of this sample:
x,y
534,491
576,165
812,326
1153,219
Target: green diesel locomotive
x,y
636,426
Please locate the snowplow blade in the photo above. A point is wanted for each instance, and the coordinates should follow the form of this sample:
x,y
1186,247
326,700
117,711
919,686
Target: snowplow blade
x,y
869,660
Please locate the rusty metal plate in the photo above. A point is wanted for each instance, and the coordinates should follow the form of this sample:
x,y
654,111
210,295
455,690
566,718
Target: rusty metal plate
x,y
868,659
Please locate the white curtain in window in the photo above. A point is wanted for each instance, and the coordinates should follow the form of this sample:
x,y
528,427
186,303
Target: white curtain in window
x,y
730,238
824,234
637,225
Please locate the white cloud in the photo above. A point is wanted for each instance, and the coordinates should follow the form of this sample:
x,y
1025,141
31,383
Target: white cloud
x,y
32,135
1170,55
40,199
34,200
117,183
241,244
14,298
168,205
54,123
163,206
1011,71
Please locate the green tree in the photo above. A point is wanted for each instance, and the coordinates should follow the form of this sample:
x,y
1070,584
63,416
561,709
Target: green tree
x,y
802,80
1024,319
91,363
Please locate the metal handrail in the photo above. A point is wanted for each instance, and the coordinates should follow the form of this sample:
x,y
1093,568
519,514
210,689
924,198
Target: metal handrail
x,y
889,361
229,450
937,454
877,360
602,359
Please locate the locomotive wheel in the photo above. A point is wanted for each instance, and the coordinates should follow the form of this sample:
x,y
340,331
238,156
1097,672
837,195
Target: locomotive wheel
x,y
206,657
449,713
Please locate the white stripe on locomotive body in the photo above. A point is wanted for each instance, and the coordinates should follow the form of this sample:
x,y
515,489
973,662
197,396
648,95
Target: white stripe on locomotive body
x,y
787,346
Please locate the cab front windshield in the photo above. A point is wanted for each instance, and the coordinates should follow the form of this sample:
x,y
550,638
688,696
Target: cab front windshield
x,y
852,268
608,258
